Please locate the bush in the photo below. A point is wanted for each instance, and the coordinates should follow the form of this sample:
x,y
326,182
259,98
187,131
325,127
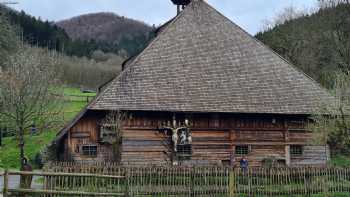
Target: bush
x,y
89,74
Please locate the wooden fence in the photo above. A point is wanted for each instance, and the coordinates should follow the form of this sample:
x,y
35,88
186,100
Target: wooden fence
x,y
67,184
113,180
78,98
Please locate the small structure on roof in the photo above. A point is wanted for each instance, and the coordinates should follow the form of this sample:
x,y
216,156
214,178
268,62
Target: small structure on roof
x,y
202,92
181,2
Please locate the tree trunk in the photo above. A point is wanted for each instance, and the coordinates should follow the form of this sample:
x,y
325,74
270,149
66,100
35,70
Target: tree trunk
x,y
0,136
21,146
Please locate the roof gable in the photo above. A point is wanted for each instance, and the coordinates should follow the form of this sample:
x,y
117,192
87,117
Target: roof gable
x,y
202,62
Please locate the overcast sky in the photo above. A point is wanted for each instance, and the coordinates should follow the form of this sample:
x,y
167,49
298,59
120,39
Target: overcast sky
x,y
249,14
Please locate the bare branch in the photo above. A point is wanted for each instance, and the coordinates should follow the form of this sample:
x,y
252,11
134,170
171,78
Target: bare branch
x,y
334,127
26,85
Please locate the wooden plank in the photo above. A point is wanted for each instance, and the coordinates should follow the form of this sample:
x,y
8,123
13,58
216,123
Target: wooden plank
x,y
312,155
80,135
64,174
6,183
39,191
211,135
287,155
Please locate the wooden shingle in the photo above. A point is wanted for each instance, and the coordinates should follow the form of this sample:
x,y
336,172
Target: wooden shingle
x,y
203,62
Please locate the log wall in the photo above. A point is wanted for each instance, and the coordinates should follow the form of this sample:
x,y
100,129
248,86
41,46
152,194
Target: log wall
x,y
86,132
214,136
312,155
141,146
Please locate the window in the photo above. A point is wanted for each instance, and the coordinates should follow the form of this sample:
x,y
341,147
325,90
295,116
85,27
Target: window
x,y
242,150
184,152
296,150
108,134
89,150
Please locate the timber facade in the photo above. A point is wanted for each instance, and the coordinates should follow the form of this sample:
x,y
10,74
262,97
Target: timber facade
x,y
217,139
203,92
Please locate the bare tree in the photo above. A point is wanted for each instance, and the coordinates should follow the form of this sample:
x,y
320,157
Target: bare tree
x,y
339,35
111,131
332,123
87,73
26,93
331,3
287,14
8,39
341,38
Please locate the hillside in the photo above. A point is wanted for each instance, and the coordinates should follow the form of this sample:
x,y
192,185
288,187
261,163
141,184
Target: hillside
x,y
83,35
75,100
84,63
129,34
103,27
317,43
35,31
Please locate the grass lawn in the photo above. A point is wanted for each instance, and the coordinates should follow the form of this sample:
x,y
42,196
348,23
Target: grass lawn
x,y
71,108
75,101
9,152
76,92
340,161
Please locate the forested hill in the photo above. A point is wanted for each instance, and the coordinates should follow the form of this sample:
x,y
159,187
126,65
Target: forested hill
x,y
317,43
103,26
118,31
35,31
105,32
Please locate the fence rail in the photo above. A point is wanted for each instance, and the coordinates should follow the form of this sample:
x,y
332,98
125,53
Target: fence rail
x,y
79,98
67,184
113,180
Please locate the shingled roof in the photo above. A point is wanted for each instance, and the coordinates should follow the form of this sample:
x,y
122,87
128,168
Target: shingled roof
x,y
203,62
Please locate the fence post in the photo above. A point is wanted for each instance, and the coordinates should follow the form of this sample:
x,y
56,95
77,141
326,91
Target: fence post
x,y
0,136
126,178
6,184
231,182
250,176
192,175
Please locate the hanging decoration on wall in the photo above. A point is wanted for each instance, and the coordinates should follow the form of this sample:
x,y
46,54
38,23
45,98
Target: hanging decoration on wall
x,y
180,133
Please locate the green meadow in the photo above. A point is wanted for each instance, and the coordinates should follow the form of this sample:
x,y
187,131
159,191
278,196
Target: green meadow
x,y
74,102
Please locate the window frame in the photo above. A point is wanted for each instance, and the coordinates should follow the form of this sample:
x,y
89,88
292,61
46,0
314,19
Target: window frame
x,y
89,151
241,153
184,152
296,150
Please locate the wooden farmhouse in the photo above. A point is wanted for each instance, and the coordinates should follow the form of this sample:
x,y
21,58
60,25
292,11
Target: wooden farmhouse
x,y
203,92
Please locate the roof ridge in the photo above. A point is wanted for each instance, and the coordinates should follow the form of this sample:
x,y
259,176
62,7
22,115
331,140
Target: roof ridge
x,y
216,58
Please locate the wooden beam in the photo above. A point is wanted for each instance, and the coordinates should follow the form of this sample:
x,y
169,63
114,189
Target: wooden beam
x,y
6,183
32,191
64,174
287,147
286,131
70,149
287,155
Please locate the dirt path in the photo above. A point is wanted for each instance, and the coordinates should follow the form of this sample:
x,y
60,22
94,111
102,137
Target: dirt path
x,y
14,182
